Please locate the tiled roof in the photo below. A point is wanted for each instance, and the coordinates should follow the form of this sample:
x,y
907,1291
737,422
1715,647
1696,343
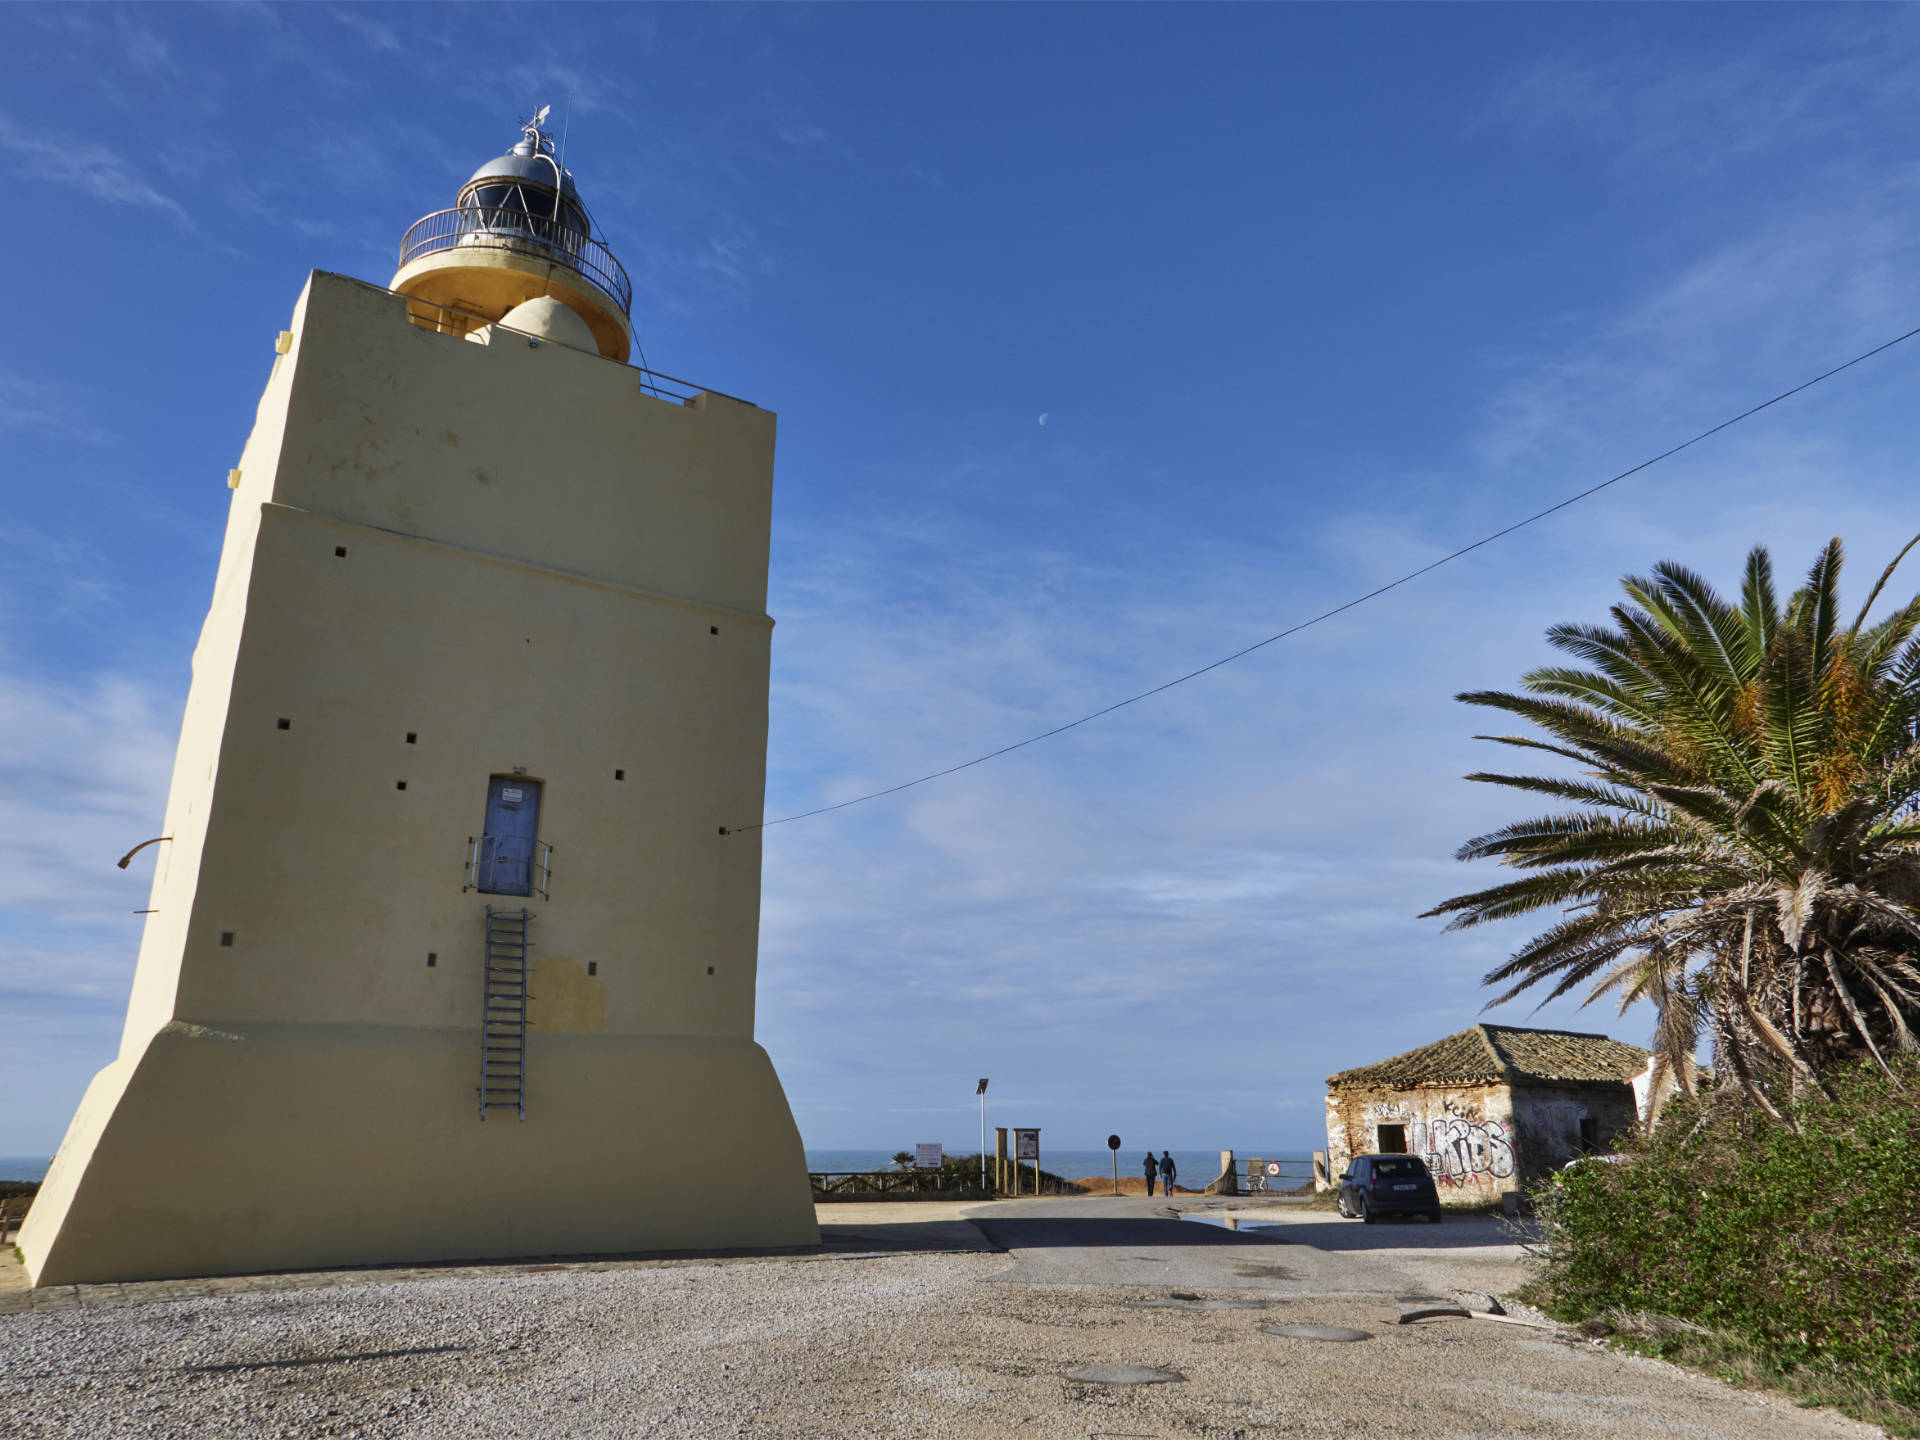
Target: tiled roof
x,y
1501,1054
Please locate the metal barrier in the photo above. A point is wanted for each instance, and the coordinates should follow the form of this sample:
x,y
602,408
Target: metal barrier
x,y
508,865
453,320
501,227
1258,1176
875,1182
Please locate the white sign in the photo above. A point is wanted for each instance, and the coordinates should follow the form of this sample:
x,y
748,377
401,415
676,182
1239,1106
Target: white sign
x,y
512,797
1026,1144
926,1157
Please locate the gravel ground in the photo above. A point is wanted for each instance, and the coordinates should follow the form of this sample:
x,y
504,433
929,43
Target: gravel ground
x,y
830,1346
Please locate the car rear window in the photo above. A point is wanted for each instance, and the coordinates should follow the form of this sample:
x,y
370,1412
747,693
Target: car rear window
x,y
1399,1167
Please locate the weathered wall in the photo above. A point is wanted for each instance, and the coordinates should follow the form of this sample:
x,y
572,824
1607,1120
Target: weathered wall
x,y
1465,1135
1548,1120
513,556
1480,1141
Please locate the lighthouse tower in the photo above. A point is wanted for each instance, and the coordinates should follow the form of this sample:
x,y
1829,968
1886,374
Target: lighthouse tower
x,y
449,952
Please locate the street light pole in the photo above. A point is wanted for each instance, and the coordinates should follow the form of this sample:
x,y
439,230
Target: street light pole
x,y
982,1093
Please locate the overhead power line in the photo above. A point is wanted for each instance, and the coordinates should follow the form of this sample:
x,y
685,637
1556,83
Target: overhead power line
x,y
1341,609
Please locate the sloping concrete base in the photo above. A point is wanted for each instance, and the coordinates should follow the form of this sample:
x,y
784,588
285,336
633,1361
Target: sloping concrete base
x,y
277,1147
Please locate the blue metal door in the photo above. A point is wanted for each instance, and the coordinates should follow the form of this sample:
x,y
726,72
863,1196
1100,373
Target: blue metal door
x,y
511,836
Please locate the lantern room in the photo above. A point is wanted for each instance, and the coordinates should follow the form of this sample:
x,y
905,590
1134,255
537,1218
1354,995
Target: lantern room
x,y
518,231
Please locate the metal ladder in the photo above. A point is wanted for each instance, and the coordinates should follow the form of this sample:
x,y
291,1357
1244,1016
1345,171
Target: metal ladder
x,y
503,1035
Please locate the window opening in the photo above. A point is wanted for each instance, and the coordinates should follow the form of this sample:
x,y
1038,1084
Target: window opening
x,y
1390,1139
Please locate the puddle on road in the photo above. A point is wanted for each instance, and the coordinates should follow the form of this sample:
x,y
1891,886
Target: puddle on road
x,y
1194,1302
1219,1222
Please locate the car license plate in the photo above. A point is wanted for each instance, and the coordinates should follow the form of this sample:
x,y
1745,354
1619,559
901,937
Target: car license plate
x,y
1406,1187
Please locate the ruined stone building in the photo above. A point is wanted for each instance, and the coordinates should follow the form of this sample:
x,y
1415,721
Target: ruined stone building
x,y
1491,1109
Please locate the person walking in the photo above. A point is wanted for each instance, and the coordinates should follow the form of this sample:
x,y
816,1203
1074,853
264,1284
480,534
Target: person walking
x,y
1167,1172
1152,1169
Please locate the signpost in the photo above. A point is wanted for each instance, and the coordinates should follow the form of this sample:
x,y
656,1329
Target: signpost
x,y
1113,1144
1026,1146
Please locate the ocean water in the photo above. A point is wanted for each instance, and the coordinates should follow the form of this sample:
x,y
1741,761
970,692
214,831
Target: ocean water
x,y
1196,1167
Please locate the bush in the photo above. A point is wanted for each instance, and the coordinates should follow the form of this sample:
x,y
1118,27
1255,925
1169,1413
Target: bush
x,y
1804,1248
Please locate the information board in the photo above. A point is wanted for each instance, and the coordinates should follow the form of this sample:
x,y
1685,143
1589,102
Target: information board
x,y
1026,1144
926,1157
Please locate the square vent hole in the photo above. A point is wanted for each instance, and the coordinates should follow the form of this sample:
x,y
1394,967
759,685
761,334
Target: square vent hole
x,y
413,737
619,774
399,784
226,937
432,959
283,723
340,552
593,967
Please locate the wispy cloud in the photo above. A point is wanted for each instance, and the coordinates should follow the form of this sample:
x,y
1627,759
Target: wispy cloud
x,y
84,165
801,135
38,405
1767,308
378,36
88,781
1799,85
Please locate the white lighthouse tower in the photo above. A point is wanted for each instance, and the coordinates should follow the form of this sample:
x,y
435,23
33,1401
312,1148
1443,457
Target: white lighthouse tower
x,y
450,955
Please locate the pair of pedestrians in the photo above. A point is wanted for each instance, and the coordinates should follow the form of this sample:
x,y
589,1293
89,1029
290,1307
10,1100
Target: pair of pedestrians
x,y
1164,1168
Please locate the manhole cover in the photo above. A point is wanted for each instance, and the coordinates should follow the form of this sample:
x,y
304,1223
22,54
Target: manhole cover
x,y
1317,1332
1124,1375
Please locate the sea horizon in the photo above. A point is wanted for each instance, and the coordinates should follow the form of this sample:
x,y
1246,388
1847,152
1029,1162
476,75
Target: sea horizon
x,y
1194,1167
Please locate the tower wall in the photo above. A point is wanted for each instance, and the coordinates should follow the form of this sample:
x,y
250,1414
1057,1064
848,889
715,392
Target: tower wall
x,y
546,573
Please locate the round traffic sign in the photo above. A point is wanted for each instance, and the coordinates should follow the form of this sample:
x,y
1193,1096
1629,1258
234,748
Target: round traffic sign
x,y
1273,1167
1113,1142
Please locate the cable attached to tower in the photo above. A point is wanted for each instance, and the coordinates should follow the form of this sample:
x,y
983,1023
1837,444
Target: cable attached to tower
x,y
1341,609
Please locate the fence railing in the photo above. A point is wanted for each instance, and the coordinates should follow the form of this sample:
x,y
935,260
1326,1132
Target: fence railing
x,y
878,1182
454,320
509,865
503,227
1259,1176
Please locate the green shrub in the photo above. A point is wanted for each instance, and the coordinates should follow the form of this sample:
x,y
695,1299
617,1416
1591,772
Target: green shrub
x,y
1802,1246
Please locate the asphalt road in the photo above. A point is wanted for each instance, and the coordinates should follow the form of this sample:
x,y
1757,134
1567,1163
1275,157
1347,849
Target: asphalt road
x,y
1279,1250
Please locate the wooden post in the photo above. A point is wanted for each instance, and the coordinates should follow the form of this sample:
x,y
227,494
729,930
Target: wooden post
x,y
1000,1158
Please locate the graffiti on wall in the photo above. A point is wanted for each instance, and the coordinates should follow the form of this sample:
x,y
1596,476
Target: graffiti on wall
x,y
1460,1145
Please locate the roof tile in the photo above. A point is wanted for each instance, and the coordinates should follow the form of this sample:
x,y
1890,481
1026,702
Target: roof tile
x,y
1501,1054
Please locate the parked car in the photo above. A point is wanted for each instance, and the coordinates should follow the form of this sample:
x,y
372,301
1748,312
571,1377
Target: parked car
x,y
1376,1185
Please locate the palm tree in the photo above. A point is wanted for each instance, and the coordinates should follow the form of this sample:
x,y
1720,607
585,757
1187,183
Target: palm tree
x,y
1744,844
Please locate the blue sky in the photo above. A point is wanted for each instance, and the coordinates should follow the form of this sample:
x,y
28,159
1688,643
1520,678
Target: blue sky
x,y
1104,342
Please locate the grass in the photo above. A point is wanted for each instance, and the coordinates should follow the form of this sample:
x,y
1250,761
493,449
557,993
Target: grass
x,y
1743,1362
1785,1256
